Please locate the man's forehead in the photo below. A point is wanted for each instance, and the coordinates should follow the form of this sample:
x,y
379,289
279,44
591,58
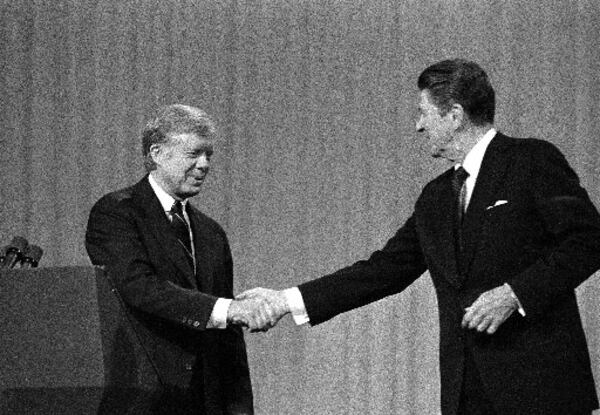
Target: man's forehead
x,y
424,96
425,101
191,140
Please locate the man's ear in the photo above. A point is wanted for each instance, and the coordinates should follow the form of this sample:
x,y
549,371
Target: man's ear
x,y
156,152
457,112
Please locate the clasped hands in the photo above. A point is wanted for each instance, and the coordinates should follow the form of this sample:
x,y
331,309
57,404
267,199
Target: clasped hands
x,y
258,309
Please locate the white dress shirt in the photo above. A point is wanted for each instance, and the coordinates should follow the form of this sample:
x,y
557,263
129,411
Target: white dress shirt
x,y
218,317
472,164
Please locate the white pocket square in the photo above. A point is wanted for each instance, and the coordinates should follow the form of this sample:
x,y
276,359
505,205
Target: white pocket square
x,y
496,204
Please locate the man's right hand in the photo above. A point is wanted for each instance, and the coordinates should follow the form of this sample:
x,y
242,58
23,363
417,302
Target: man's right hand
x,y
258,309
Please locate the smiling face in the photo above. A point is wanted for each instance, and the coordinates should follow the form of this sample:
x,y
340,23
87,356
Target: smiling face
x,y
182,163
439,129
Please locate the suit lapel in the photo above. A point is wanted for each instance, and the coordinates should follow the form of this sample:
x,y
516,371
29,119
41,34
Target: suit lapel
x,y
158,224
493,169
441,218
204,272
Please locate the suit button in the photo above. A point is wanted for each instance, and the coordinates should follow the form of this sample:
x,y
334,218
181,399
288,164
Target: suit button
x,y
188,366
196,324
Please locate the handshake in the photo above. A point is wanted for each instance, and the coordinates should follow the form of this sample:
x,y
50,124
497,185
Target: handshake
x,y
258,309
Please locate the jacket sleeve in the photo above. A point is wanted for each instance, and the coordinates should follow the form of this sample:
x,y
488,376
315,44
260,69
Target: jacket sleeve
x,y
114,239
572,233
387,271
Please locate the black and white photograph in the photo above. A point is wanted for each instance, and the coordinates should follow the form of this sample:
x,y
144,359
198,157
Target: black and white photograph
x,y
299,207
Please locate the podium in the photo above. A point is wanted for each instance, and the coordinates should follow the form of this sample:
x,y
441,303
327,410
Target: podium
x,y
67,346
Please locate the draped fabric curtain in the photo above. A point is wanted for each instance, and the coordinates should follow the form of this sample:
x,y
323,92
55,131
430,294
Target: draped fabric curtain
x,y
318,161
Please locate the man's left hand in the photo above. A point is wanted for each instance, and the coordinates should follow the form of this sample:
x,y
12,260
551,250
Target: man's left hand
x,y
490,310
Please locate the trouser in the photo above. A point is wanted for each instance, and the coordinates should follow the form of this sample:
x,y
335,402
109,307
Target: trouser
x,y
473,397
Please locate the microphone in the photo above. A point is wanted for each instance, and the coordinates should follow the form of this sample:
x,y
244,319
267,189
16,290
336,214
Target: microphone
x,y
3,254
14,252
31,256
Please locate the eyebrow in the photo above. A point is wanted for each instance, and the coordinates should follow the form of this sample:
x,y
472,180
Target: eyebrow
x,y
204,149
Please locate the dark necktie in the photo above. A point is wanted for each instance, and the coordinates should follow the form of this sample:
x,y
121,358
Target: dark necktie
x,y
460,192
181,229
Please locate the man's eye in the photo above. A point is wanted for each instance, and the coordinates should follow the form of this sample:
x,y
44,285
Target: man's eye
x,y
194,155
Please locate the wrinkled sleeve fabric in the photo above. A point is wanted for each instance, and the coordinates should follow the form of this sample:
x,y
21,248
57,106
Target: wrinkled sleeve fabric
x,y
114,239
386,272
572,225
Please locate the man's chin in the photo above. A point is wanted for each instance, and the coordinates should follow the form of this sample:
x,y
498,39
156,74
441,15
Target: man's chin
x,y
189,191
442,153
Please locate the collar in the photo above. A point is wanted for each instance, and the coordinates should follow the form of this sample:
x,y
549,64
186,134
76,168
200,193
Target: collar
x,y
472,161
165,199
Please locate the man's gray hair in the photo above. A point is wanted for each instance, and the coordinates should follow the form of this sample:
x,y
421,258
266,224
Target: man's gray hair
x,y
174,119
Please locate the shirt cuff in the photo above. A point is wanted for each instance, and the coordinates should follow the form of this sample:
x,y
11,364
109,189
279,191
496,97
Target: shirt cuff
x,y
218,317
295,302
514,296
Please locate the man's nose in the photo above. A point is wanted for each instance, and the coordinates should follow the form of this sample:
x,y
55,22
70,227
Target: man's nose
x,y
203,162
419,126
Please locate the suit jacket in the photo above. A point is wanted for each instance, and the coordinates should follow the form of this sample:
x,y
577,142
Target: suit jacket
x,y
544,241
129,233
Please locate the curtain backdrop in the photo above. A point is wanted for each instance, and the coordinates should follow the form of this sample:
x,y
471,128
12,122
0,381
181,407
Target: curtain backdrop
x,y
318,162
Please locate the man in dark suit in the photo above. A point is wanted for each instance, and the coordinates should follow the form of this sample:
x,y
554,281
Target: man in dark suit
x,y
173,268
507,234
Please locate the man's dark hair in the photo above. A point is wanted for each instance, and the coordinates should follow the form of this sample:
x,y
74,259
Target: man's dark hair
x,y
174,119
458,81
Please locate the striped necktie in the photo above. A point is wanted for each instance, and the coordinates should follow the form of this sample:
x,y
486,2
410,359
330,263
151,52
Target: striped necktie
x,y
181,229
